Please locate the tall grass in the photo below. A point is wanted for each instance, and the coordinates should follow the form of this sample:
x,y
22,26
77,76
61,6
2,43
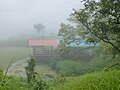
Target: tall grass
x,y
96,81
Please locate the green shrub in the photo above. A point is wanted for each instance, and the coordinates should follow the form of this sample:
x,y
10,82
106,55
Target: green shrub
x,y
12,83
70,68
102,62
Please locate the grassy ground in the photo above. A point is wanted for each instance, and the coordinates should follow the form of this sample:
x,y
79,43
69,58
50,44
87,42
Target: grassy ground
x,y
109,80
7,53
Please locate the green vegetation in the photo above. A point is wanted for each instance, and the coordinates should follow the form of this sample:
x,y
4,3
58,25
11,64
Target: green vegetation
x,y
7,53
95,81
69,77
77,68
12,83
33,82
70,68
98,22
105,80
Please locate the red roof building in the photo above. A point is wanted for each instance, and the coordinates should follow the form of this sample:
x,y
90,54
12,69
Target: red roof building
x,y
43,42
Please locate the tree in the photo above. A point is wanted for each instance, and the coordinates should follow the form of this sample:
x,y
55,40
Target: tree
x,y
96,22
39,28
68,33
101,21
30,71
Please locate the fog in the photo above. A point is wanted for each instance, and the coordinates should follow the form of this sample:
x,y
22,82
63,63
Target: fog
x,y
18,16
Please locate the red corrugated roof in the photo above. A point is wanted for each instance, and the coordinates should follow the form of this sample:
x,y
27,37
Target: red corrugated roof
x,y
43,42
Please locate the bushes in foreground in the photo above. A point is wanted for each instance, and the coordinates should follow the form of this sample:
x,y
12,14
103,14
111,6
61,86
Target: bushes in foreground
x,y
97,81
105,80
12,83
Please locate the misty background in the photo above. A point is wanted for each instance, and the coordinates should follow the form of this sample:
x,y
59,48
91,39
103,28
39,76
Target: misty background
x,y
17,17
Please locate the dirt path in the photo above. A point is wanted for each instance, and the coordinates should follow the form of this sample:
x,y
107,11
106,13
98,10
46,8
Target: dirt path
x,y
18,69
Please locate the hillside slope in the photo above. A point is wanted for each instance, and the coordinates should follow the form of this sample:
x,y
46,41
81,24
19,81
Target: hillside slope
x,y
109,80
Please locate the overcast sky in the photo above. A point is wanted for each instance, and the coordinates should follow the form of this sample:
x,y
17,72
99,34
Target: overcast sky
x,y
19,16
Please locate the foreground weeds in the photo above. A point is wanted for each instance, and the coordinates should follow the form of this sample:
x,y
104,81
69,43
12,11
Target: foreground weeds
x,y
97,81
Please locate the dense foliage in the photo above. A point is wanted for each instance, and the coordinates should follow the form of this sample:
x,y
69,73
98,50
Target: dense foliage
x,y
96,81
97,21
12,83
